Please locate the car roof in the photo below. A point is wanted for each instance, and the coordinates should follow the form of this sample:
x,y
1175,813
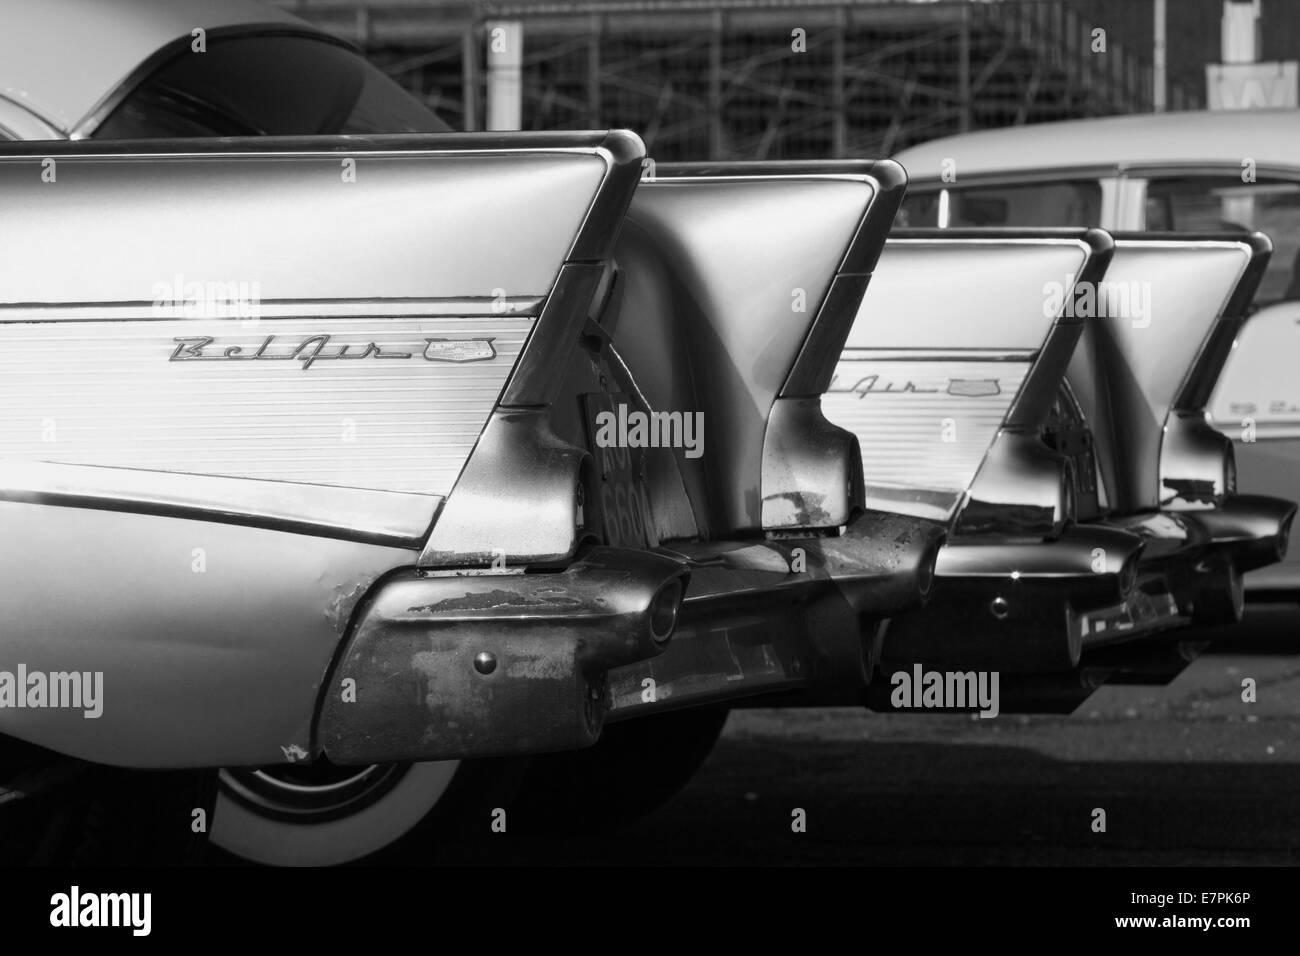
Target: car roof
x,y
60,58
1269,137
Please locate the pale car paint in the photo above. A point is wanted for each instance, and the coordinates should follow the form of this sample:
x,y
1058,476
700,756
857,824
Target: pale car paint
x,y
17,122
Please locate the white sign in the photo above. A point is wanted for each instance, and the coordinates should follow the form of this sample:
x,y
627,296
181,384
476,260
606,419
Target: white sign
x,y
1252,86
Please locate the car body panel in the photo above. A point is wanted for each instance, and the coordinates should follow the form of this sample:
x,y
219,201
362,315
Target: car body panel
x,y
218,655
227,544
17,123
1257,405
927,386
172,378
1166,297
1167,140
717,304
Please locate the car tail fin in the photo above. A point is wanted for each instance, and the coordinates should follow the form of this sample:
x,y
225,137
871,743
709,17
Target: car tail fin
x,y
305,332
737,283
1166,318
962,334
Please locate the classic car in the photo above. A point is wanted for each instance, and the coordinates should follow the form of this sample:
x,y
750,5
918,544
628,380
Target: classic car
x,y
383,466
1045,400
1184,172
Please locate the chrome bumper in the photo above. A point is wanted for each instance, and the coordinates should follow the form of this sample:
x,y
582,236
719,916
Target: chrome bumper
x,y
479,665
750,626
450,665
1253,531
1038,606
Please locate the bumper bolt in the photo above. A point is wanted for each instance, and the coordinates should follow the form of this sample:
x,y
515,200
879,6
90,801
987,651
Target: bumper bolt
x,y
485,662
999,608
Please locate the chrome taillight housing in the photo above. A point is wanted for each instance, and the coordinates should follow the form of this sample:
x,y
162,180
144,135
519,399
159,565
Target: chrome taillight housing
x,y
1198,467
1023,489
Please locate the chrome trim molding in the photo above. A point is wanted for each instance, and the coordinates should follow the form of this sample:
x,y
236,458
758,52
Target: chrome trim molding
x,y
516,501
352,514
812,471
505,307
937,355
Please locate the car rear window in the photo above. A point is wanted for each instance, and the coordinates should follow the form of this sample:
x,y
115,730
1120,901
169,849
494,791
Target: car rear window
x,y
1076,203
270,85
1226,204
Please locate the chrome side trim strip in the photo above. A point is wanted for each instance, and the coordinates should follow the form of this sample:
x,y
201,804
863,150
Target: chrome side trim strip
x,y
1264,431
513,307
938,355
353,514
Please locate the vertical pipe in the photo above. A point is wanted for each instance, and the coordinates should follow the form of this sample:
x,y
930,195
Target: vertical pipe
x,y
505,64
963,72
362,21
595,33
839,102
469,77
1158,80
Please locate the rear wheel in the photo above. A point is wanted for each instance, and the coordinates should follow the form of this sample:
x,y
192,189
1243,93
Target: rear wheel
x,y
322,815
633,769
1224,601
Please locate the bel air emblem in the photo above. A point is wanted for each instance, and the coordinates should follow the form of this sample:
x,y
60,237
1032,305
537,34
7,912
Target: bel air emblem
x,y
309,350
973,387
459,350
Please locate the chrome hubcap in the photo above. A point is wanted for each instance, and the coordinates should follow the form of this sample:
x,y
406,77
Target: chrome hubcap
x,y
311,793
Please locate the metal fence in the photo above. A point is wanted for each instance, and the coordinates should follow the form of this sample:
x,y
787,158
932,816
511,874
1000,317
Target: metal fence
x,y
770,79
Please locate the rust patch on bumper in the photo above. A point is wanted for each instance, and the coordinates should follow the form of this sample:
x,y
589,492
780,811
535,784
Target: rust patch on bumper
x,y
499,598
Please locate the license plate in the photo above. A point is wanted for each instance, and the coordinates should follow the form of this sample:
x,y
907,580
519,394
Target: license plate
x,y
622,505
1140,613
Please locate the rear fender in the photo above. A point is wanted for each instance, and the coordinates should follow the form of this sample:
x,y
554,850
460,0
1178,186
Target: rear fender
x,y
1153,354
739,283
1256,404
955,359
202,528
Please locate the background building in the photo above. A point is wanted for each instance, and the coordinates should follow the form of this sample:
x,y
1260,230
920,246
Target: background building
x,y
772,79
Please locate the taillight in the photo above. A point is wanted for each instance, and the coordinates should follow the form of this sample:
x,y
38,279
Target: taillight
x,y
1128,577
664,609
1069,503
